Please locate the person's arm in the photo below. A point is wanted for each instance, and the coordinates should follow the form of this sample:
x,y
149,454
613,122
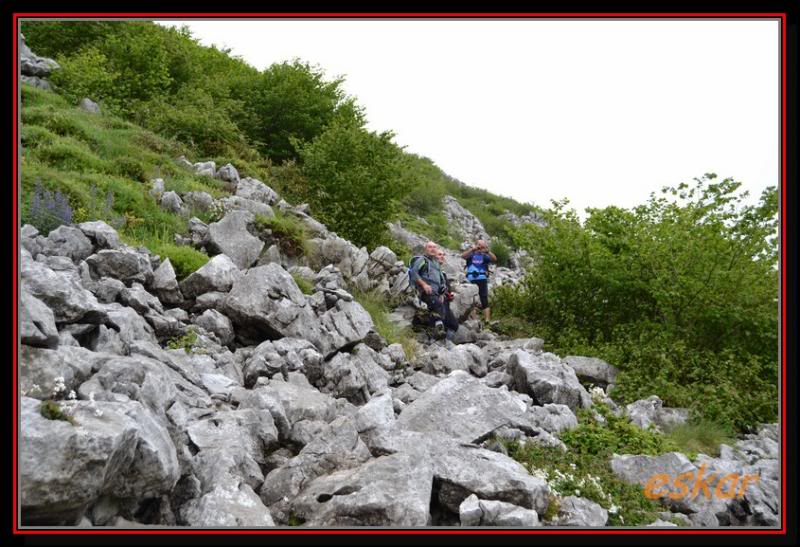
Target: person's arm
x,y
492,256
465,255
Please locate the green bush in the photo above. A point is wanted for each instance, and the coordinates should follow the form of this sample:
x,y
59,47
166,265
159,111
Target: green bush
x,y
355,181
680,293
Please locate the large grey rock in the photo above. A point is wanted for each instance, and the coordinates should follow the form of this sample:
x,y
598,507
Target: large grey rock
x,y
139,299
466,223
650,412
350,260
354,376
388,491
477,512
172,202
254,430
39,368
548,380
37,326
441,361
463,408
88,105
227,505
216,275
553,418
290,403
67,241
113,448
344,325
214,321
265,303
35,81
199,201
639,469
281,356
127,265
101,234
465,300
592,369
230,236
238,203
31,64
337,447
61,292
575,511
165,284
205,168
228,173
250,188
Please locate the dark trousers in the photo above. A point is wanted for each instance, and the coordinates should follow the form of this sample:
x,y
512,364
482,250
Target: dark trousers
x,y
440,310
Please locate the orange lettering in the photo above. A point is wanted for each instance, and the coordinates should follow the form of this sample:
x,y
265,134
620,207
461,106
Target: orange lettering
x,y
656,481
745,480
682,487
726,495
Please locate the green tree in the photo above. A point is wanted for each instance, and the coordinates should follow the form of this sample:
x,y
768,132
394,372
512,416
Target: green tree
x,y
294,103
355,181
88,73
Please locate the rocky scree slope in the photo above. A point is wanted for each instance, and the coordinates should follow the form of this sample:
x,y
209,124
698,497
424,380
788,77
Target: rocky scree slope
x,y
279,407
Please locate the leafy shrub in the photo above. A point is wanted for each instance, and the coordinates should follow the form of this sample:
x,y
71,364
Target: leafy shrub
x,y
680,293
355,181
616,434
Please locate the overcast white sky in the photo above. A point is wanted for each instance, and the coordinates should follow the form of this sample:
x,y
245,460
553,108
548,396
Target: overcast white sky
x,y
600,112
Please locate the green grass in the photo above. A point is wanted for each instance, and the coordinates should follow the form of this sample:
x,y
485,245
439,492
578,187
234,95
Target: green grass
x,y
289,231
306,286
90,158
701,436
378,308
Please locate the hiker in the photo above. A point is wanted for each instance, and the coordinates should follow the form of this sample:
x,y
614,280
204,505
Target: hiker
x,y
450,320
425,274
478,258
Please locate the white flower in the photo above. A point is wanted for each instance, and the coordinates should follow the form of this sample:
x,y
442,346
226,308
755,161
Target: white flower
x,y
614,510
577,492
35,388
72,394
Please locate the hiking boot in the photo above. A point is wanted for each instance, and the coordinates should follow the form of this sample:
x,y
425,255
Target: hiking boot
x,y
438,329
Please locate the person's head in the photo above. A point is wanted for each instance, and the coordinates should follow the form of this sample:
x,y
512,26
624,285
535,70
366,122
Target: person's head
x,y
440,256
431,249
481,244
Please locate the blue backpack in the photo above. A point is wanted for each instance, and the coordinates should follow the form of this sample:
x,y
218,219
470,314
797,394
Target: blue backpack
x,y
478,267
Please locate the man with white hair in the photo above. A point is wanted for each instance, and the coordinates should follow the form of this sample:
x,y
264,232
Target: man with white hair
x,y
425,274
